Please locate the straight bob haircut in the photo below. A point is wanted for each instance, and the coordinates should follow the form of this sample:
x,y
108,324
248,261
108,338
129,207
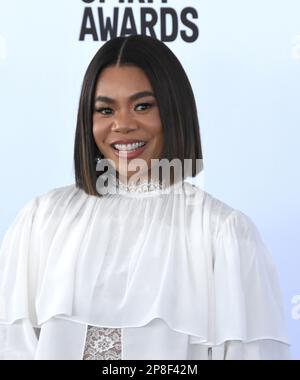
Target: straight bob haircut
x,y
174,95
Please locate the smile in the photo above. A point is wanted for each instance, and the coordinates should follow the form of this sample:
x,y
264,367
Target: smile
x,y
128,147
129,150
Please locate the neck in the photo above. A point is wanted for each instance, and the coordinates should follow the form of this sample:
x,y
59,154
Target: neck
x,y
138,178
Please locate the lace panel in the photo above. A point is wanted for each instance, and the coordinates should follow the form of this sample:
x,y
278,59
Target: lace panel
x,y
102,343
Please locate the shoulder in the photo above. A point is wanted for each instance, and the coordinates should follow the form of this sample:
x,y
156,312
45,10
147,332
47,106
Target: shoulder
x,y
226,225
56,203
234,234
55,194
197,197
204,206
33,211
238,247
49,196
56,198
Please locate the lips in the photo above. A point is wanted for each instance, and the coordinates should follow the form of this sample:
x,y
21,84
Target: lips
x,y
129,154
125,142
128,147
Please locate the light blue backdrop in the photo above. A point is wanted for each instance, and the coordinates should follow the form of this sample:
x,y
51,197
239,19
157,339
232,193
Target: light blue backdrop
x,y
245,71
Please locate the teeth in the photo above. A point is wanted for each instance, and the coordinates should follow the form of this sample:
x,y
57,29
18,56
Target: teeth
x,y
129,147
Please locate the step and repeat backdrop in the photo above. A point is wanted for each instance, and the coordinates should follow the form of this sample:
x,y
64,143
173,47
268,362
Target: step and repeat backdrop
x,y
243,61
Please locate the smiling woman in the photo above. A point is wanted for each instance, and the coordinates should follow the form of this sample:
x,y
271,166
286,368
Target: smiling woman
x,y
131,126
129,96
141,273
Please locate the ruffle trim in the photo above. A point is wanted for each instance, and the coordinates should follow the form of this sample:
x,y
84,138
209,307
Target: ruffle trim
x,y
214,287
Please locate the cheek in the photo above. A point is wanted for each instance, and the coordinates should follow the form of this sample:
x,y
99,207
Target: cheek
x,y
153,125
156,120
158,134
99,131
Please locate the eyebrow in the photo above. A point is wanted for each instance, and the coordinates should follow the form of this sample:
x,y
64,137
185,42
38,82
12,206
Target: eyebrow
x,y
136,96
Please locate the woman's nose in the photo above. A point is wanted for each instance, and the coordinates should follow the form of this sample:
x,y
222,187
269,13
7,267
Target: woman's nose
x,y
124,122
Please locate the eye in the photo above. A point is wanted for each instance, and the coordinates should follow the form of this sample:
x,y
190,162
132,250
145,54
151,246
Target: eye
x,y
99,110
148,105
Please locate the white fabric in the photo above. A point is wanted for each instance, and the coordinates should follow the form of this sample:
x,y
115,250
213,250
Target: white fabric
x,y
184,274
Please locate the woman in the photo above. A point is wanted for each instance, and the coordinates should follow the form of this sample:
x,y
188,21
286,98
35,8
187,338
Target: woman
x,y
128,264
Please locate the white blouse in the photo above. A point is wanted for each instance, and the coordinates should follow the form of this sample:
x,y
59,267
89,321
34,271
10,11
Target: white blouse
x,y
179,275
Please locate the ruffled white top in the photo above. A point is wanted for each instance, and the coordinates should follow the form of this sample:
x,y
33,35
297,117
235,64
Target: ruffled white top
x,y
182,273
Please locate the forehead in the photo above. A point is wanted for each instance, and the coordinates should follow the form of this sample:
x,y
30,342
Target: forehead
x,y
124,78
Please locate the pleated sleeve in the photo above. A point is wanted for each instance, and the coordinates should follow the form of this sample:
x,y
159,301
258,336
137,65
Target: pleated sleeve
x,y
18,277
249,312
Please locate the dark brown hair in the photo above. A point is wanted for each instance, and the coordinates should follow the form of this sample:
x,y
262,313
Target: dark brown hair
x,y
174,96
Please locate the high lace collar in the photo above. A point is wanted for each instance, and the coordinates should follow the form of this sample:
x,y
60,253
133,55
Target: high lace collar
x,y
141,187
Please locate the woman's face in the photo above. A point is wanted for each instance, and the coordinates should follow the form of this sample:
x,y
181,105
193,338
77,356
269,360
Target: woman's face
x,y
126,116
